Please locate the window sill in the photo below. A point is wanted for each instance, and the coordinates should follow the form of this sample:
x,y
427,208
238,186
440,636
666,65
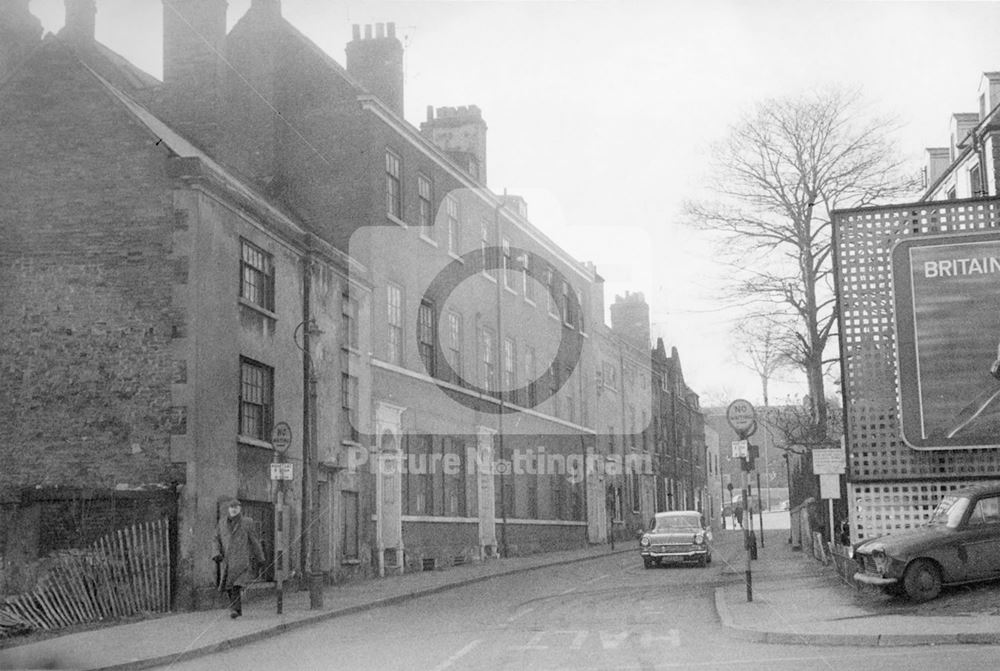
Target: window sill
x,y
430,241
256,308
456,256
396,220
510,290
491,278
529,301
349,562
253,442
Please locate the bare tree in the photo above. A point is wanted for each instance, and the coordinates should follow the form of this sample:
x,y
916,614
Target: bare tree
x,y
763,348
778,175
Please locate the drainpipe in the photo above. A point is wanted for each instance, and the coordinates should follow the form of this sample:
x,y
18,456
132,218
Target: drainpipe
x,y
501,279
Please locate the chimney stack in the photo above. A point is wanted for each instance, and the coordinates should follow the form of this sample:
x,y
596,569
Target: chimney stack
x,y
630,319
194,34
20,32
80,21
461,133
377,63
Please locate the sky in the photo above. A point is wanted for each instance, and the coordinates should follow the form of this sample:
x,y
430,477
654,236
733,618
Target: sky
x,y
602,114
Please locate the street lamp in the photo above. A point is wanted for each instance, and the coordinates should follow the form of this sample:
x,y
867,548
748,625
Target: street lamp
x,y
310,465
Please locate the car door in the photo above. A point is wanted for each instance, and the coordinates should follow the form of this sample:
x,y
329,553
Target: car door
x,y
979,542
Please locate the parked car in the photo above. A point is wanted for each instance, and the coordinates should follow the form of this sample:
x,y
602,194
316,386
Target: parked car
x,y
960,543
678,536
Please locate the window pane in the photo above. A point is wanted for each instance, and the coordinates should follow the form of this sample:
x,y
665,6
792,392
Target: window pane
x,y
394,295
256,275
256,400
426,335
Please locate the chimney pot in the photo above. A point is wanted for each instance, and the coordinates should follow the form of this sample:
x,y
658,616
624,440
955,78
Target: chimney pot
x,y
356,32
379,30
392,29
368,31
430,112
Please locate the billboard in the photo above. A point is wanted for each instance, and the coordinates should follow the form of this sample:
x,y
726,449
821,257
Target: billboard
x,y
947,307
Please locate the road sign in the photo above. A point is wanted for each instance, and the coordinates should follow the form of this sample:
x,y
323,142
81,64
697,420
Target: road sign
x,y
281,471
829,486
828,462
740,448
742,417
281,436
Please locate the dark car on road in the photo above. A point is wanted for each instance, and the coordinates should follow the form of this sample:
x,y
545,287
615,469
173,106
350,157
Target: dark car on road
x,y
960,543
677,536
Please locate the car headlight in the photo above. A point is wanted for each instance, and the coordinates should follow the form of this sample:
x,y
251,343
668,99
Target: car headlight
x,y
699,539
644,541
881,561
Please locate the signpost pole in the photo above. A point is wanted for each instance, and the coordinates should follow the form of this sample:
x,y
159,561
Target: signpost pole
x,y
743,420
760,509
830,502
281,438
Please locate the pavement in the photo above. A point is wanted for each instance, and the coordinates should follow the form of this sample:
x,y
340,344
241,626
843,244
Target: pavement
x,y
795,600
798,600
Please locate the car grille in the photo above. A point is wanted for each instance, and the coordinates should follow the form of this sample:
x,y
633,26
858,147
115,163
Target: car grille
x,y
671,548
869,565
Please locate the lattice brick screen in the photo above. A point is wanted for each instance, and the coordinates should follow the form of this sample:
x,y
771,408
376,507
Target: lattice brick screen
x,y
889,507
863,240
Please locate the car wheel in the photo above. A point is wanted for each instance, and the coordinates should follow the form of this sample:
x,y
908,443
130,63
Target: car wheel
x,y
647,562
708,558
922,580
702,561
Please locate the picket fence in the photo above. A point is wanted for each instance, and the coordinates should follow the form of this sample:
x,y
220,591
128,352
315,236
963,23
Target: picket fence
x,y
126,572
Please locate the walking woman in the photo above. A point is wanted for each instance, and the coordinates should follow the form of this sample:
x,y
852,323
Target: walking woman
x,y
238,553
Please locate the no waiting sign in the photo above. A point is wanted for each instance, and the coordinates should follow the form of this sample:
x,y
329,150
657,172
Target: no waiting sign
x,y
742,417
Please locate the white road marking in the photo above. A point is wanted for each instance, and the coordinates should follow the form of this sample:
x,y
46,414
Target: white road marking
x,y
458,655
519,614
534,643
612,641
673,637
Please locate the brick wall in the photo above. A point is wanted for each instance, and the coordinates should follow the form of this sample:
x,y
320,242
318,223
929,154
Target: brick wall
x,y
86,306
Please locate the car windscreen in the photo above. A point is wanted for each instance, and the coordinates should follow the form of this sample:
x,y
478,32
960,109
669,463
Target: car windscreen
x,y
678,524
949,511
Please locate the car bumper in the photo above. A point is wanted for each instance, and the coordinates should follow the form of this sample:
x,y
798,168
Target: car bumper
x,y
675,554
874,579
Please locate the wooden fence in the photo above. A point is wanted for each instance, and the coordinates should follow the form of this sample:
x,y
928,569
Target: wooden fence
x,y
126,572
